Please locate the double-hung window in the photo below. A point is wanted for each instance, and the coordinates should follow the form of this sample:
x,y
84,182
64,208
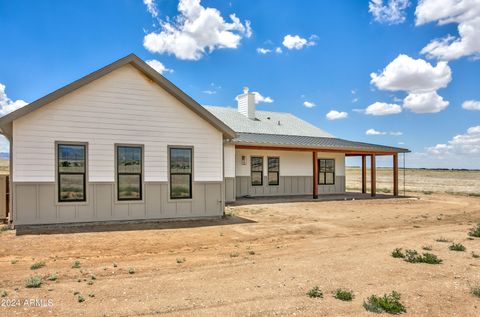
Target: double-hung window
x,y
273,170
256,165
326,171
180,173
71,161
129,172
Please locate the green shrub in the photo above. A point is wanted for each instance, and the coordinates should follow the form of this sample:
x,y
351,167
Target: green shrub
x,y
80,298
33,282
37,265
397,253
4,293
343,294
475,232
76,265
52,277
131,270
180,260
389,303
412,256
457,247
91,295
475,291
442,239
315,292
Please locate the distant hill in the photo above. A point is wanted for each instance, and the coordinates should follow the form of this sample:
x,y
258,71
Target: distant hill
x,y
4,155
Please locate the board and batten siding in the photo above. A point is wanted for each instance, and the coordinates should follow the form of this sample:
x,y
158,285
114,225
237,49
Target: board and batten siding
x,y
125,107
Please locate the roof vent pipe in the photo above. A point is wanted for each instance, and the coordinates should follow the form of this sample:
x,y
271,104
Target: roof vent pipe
x,y
246,104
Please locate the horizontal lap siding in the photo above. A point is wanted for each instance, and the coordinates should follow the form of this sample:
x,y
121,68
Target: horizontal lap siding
x,y
121,107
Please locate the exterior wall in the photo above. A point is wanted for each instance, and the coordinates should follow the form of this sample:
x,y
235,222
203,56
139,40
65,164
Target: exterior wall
x,y
229,172
123,107
296,174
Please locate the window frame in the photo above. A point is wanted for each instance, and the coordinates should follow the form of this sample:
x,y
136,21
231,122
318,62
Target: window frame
x,y
252,171
58,173
325,173
169,151
141,174
276,172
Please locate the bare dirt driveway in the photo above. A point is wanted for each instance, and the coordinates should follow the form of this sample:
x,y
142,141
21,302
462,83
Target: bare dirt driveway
x,y
259,262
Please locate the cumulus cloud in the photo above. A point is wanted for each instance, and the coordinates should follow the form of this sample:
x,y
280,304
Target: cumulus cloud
x,y
296,42
467,144
158,66
429,102
382,109
259,98
465,13
336,115
195,31
309,104
389,12
151,7
278,50
262,50
471,105
374,132
7,105
412,75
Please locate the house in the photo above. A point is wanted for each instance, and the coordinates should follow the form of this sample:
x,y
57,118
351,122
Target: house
x,y
124,143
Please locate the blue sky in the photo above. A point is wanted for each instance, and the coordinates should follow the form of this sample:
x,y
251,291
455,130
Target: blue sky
x,y
293,53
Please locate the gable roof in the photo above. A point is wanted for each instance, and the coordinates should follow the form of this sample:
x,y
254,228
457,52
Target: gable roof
x,y
140,65
267,122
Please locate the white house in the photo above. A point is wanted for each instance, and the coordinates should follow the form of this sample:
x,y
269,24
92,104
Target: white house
x,y
124,143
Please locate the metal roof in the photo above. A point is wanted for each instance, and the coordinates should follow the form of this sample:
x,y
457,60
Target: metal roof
x,y
267,122
262,139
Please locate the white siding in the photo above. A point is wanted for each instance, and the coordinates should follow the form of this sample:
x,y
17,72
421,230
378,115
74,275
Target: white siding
x,y
291,163
229,160
121,107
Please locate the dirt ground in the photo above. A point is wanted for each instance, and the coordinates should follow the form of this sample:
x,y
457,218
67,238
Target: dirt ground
x,y
259,262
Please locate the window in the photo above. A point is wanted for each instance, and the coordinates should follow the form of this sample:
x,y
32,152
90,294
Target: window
x,y
180,173
273,170
326,171
257,170
71,172
129,172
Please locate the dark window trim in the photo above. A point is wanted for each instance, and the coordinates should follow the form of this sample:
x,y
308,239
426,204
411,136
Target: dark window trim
x,y
325,173
84,173
117,146
251,171
276,172
190,180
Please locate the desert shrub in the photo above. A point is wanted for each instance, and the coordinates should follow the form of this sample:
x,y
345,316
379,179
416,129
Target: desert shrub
x,y
475,232
412,256
427,192
33,282
475,291
457,247
343,294
442,239
37,265
389,303
131,270
80,298
234,255
251,252
397,253
475,255
76,265
15,261
315,292
427,247
180,260
52,277
91,295
4,293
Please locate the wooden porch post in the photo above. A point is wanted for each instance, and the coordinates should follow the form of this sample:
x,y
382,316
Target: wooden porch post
x,y
395,174
315,175
373,171
364,174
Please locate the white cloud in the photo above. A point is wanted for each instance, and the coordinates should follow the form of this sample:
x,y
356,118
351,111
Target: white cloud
x,y
471,105
209,92
195,31
158,66
429,102
466,13
262,50
390,12
374,132
309,104
412,75
259,98
396,133
278,50
467,144
336,115
151,7
7,105
382,109
297,42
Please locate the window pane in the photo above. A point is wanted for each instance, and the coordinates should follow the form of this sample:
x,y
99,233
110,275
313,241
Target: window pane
x,y
180,160
330,166
329,178
273,178
180,186
257,164
129,159
257,178
129,187
273,164
322,166
71,158
321,178
71,187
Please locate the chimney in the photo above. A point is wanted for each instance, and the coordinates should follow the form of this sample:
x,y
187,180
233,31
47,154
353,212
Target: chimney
x,y
246,104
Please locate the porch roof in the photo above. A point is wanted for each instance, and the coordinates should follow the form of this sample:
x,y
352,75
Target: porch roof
x,y
309,142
